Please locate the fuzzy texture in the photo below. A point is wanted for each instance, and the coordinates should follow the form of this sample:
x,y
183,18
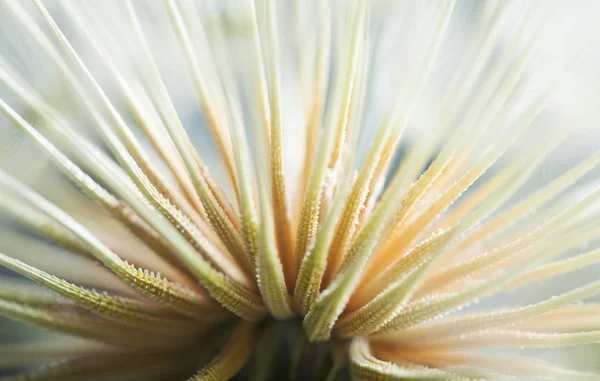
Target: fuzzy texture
x,y
303,190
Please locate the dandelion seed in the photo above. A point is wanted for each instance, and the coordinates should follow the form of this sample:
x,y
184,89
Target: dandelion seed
x,y
320,190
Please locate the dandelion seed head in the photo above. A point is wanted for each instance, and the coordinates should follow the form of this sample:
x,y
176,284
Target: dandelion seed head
x,y
262,189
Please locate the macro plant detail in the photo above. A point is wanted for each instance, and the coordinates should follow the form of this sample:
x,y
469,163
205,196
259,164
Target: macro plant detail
x,y
362,203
